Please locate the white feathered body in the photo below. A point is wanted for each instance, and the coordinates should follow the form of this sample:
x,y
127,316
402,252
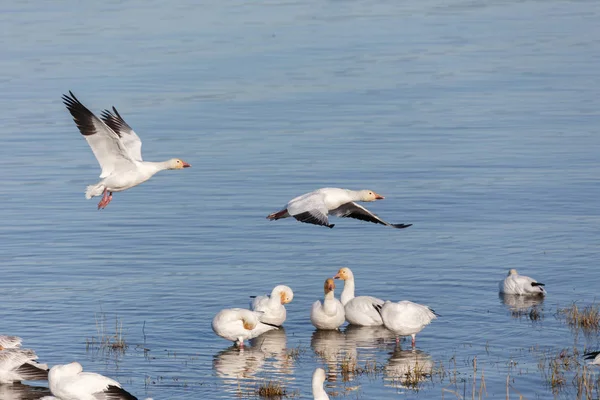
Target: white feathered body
x,y
273,312
361,311
69,382
521,285
324,199
329,315
406,318
229,324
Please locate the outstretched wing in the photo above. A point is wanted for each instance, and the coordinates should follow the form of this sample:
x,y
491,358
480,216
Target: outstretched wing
x,y
353,210
130,139
315,216
106,144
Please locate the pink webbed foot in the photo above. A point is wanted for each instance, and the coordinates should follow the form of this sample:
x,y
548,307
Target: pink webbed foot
x,y
106,198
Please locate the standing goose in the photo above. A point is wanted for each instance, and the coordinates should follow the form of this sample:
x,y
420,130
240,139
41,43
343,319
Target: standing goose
x,y
405,318
69,382
117,148
314,207
359,310
318,379
330,314
521,285
237,324
272,307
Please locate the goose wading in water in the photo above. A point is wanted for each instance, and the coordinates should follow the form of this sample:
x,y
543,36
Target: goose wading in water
x,y
118,150
17,364
69,382
314,207
330,314
359,310
521,285
318,379
238,324
272,307
405,318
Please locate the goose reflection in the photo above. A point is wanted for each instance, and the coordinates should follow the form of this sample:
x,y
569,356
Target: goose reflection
x,y
330,346
523,306
407,368
234,363
273,344
18,391
368,337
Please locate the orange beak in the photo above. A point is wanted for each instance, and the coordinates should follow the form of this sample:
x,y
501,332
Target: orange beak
x,y
379,197
331,287
186,165
337,276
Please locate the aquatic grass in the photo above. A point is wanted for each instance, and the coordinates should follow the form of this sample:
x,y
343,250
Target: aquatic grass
x,y
586,318
273,389
113,342
350,368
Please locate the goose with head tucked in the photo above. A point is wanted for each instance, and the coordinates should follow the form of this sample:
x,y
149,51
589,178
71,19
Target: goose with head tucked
x,y
359,310
405,318
272,307
238,324
118,150
330,314
521,285
314,207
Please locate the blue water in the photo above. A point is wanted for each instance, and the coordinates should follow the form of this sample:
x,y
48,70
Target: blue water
x,y
478,121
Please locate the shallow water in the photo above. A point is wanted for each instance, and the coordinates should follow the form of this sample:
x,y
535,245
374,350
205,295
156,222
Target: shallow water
x,y
476,120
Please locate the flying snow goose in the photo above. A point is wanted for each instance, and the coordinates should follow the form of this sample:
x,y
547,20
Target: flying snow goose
x,y
318,379
405,318
117,148
593,357
69,382
521,285
359,310
314,207
237,324
272,307
18,365
330,314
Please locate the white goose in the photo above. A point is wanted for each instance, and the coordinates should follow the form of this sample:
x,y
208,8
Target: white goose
x,y
318,379
118,150
272,307
237,325
17,364
521,285
359,310
69,382
330,314
314,207
405,318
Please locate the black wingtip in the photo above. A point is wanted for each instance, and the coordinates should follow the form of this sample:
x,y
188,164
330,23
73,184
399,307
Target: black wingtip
x,y
378,308
537,284
401,226
591,355
330,226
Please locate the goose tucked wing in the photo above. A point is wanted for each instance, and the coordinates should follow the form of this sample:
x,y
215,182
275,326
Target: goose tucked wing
x,y
106,144
353,210
130,139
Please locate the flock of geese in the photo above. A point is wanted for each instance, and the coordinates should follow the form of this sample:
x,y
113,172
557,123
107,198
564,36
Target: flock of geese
x,y
118,150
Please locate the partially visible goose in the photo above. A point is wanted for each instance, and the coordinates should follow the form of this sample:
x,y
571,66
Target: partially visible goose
x,y
330,314
405,318
18,365
318,379
272,307
10,342
359,310
521,285
593,357
69,382
237,325
118,150
314,207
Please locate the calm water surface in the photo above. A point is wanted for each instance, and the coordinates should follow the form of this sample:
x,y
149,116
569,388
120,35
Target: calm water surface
x,y
478,121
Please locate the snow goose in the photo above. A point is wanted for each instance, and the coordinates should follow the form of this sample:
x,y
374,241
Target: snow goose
x,y
18,365
521,285
69,382
10,342
405,318
330,314
272,307
593,357
118,150
237,324
318,379
314,207
359,310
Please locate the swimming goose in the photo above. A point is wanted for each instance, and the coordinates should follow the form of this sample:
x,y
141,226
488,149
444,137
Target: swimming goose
x,y
318,379
521,285
18,365
405,318
314,207
237,324
330,314
69,382
117,148
272,307
359,310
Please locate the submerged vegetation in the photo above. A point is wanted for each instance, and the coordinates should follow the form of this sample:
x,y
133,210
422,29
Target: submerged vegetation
x,y
586,318
105,339
274,390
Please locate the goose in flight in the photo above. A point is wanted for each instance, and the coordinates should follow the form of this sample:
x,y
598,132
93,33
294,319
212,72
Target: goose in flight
x,y
314,207
118,150
521,285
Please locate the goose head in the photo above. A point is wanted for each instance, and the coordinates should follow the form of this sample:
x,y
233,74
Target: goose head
x,y
285,293
344,274
176,163
369,195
